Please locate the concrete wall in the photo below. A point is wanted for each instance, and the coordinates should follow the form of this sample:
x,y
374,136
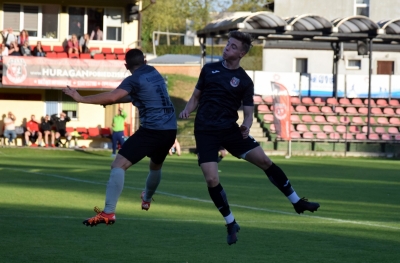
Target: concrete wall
x,y
384,9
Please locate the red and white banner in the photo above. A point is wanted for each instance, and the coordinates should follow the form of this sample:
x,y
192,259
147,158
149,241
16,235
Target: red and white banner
x,y
50,72
282,113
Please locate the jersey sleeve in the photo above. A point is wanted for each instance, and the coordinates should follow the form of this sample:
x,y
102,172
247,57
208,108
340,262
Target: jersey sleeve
x,y
248,95
127,85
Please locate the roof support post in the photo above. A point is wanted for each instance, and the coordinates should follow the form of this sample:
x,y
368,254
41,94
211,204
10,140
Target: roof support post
x,y
369,85
203,51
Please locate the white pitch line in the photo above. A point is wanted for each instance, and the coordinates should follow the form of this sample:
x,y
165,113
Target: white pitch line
x,y
208,201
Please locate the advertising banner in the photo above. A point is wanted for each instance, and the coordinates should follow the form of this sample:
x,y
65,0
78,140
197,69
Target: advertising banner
x,y
281,102
290,80
357,86
49,72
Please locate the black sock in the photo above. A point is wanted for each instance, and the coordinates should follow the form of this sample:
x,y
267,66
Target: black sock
x,y
218,196
279,179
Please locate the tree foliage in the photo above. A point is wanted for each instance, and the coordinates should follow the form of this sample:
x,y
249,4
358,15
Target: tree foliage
x,y
248,5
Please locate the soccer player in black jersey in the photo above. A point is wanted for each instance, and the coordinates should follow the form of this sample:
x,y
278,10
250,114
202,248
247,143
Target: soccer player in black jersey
x,y
220,91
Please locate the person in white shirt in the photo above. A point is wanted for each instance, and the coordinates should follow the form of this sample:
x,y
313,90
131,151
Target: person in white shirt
x,y
9,128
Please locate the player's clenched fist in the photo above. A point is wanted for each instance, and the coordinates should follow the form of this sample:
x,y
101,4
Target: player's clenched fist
x,y
184,114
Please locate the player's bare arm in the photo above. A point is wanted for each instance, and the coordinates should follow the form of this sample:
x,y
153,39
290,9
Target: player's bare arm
x,y
191,105
247,120
105,98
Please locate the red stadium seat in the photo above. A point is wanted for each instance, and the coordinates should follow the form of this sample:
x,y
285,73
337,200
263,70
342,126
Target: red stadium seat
x,y
85,56
320,119
257,99
332,101
319,101
357,120
118,51
94,132
344,119
394,120
94,49
302,128
374,136
351,110
272,127
397,137
307,101
46,48
344,102
383,120
268,100
326,110
361,136
398,111
307,119
106,50
347,136
69,129
295,100
98,56
51,55
332,119
321,136
341,129
372,102
73,55
371,120
58,49
314,109
381,102
105,132
357,102
394,103
328,129
82,132
354,129
376,111
121,57
334,136
295,118
365,129
111,56
308,135
268,118
263,108
363,110
62,55
339,110
301,109
380,130
393,130
315,128
388,111
295,135
386,137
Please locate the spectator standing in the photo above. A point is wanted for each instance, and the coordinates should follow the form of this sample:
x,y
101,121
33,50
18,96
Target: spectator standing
x,y
176,148
118,127
9,127
84,44
4,51
10,38
96,34
23,36
33,132
38,50
26,49
73,45
61,126
45,127
14,49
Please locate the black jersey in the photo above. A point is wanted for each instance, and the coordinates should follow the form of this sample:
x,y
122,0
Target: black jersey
x,y
223,91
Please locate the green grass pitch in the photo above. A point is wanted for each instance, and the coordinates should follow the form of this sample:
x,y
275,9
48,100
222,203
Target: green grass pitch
x,y
46,194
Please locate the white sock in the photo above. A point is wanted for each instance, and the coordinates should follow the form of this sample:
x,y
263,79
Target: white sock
x,y
229,219
114,189
293,198
152,182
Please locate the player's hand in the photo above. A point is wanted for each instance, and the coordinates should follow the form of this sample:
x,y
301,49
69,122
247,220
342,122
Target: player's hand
x,y
184,114
72,93
245,131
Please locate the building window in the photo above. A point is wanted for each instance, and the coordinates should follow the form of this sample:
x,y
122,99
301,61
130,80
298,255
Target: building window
x,y
361,7
40,21
86,19
354,64
57,101
301,65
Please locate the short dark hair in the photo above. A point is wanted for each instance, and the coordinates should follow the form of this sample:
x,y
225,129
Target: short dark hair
x,y
134,57
245,38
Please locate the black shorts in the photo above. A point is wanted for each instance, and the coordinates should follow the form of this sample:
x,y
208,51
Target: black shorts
x,y
62,132
208,144
151,143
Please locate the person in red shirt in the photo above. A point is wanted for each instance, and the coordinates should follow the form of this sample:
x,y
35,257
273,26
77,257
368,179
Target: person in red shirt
x,y
32,132
73,45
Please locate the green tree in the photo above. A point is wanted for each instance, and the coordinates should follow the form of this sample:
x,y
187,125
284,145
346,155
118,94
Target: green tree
x,y
248,5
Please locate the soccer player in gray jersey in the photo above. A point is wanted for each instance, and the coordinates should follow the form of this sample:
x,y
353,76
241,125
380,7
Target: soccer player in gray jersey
x,y
146,89
222,88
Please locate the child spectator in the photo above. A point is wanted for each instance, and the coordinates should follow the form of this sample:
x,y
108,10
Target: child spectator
x,y
26,49
23,36
9,128
73,45
45,127
38,50
14,49
61,126
84,44
33,133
